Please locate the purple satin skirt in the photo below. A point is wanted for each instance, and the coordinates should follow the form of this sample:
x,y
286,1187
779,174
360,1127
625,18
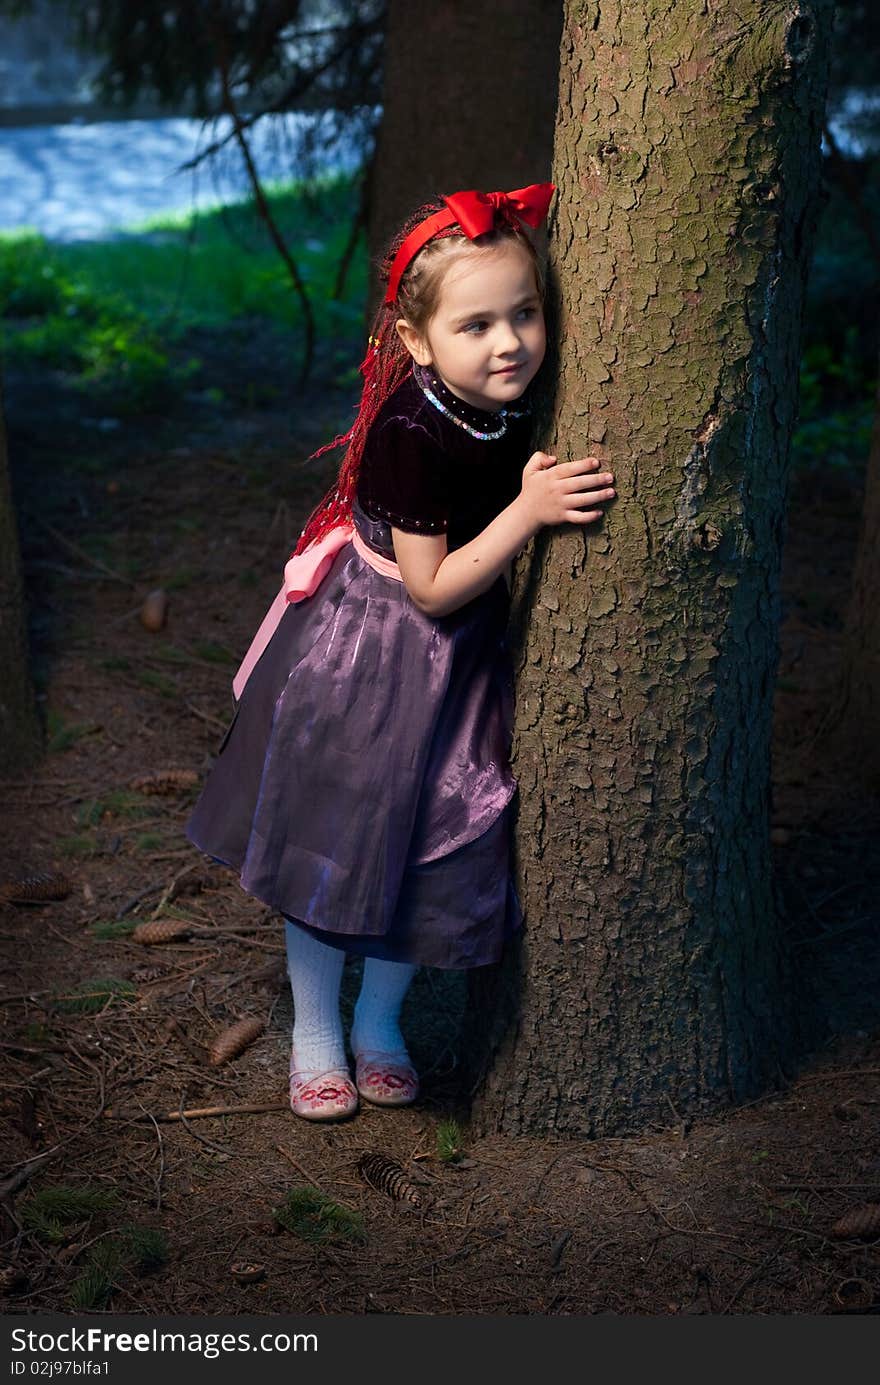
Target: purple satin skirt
x,y
363,788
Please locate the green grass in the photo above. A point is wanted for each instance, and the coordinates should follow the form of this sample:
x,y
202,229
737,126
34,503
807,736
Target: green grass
x,y
156,682
121,803
63,734
317,1218
170,654
181,579
78,844
149,841
121,317
214,653
207,267
837,439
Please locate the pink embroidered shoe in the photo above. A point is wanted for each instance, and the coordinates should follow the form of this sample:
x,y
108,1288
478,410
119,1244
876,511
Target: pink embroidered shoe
x,y
324,1096
386,1079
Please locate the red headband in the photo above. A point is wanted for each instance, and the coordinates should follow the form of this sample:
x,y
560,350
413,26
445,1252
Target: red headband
x,y
475,213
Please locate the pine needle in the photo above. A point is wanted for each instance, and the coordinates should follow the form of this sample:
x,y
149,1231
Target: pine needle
x,y
317,1218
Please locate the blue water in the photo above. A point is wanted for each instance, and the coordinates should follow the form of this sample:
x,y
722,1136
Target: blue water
x,y
86,181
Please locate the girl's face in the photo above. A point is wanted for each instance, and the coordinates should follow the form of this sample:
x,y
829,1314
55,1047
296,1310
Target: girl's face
x,y
486,339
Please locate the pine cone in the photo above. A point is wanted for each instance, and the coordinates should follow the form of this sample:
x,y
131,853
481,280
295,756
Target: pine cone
x,y
142,975
860,1222
234,1040
165,781
387,1176
35,889
161,931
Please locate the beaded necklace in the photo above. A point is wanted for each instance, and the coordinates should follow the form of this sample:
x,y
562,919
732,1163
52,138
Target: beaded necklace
x,y
425,382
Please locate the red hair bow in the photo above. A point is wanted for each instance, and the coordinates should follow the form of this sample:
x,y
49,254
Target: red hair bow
x,y
476,213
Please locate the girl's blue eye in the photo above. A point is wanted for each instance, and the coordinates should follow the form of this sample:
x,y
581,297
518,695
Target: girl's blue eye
x,y
475,327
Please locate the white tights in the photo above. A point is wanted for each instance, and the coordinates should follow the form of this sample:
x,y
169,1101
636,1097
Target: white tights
x,y
315,971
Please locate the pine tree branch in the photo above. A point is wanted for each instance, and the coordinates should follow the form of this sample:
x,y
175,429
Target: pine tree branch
x,y
265,211
289,96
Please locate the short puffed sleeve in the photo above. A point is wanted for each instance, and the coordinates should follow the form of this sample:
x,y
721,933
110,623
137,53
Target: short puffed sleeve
x,y
404,477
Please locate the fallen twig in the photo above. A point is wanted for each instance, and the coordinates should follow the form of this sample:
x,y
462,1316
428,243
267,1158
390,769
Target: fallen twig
x,y
195,1051
81,552
309,1178
299,1168
200,1112
833,1073
21,995
821,1187
209,1144
205,716
136,899
166,893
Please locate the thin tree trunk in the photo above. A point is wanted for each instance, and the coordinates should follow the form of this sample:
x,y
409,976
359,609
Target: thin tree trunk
x,y
20,736
469,102
854,720
651,980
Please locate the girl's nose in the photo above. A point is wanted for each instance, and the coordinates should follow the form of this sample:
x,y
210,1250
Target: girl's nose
x,y
506,339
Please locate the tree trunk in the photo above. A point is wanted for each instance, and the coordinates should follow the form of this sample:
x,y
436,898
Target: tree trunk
x,y
469,102
853,724
651,980
20,738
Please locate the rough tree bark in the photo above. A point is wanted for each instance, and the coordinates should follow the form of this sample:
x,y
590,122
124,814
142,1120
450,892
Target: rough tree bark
x,y
651,980
20,738
469,101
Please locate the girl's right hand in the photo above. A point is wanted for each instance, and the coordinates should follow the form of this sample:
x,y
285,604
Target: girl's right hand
x,y
565,493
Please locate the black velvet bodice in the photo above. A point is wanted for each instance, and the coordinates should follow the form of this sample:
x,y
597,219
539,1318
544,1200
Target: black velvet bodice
x,y
423,473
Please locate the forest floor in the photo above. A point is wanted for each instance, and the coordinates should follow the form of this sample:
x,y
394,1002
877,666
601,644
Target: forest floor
x,y
105,1039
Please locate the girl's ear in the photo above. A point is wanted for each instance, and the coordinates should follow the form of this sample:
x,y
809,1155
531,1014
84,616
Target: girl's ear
x,y
414,342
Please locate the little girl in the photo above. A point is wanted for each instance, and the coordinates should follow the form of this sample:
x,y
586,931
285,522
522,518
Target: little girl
x,y
364,788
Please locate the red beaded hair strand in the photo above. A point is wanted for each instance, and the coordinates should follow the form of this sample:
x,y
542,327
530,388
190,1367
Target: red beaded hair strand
x,y
387,362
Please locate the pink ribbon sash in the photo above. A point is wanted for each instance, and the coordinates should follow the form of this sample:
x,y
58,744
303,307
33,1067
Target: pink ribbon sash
x,y
303,574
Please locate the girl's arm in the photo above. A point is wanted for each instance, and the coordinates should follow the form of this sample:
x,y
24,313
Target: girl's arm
x,y
439,582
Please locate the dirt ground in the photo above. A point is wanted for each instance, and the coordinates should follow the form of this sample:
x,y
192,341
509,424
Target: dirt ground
x,y
733,1214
